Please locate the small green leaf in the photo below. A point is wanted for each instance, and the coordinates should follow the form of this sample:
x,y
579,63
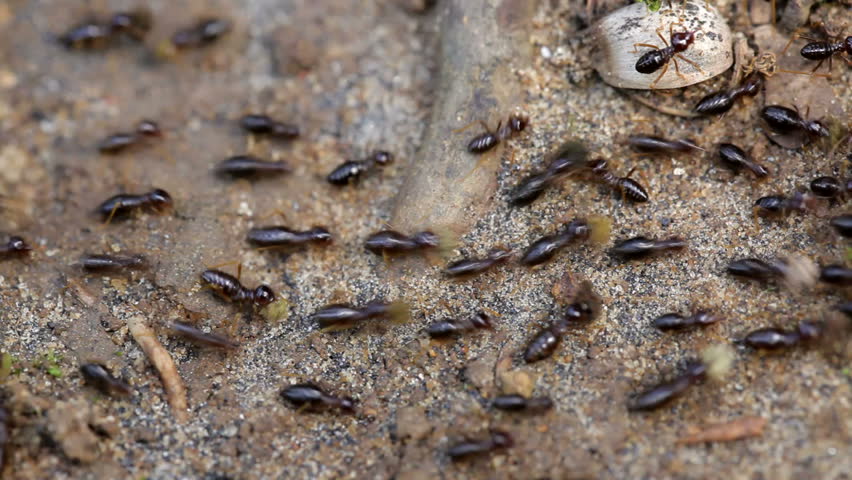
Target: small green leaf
x,y
849,254
653,5
5,366
49,362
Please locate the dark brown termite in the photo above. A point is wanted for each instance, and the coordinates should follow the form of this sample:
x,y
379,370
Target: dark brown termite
x,y
830,187
628,187
198,337
734,158
780,205
342,315
784,121
519,403
94,34
658,58
244,166
278,236
754,268
641,247
203,33
836,275
795,272
568,158
467,448
779,339
228,287
310,397
652,145
351,170
112,263
663,393
265,125
449,328
488,140
584,308
843,225
823,50
14,247
119,206
720,102
676,321
87,35
545,248
389,241
474,266
121,141
100,377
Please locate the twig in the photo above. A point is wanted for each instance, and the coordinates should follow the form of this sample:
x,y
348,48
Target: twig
x,y
162,361
662,108
147,340
743,427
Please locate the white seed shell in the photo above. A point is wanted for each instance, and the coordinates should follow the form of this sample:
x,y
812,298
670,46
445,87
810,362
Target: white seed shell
x,y
616,34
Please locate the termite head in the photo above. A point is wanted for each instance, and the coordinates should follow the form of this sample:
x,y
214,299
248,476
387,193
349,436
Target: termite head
x,y
149,128
320,234
682,40
518,122
17,244
160,199
499,254
816,128
382,157
347,404
481,320
263,295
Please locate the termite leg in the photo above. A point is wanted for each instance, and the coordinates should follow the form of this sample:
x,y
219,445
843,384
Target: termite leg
x,y
636,50
665,69
234,323
810,74
677,69
278,212
671,32
220,265
270,247
793,37
689,62
755,217
112,213
480,122
482,160
645,181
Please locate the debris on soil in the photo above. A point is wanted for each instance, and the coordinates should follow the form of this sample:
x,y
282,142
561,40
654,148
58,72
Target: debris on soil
x,y
68,423
411,422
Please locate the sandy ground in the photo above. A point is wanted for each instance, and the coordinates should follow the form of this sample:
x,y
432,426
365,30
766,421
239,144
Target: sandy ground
x,y
357,76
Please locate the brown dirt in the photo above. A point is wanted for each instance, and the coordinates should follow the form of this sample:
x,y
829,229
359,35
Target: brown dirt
x,y
356,76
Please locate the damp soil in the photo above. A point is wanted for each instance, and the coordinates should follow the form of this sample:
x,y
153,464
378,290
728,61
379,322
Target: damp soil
x,y
363,75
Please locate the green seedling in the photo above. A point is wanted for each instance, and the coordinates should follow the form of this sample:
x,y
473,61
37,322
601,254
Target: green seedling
x,y
653,5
